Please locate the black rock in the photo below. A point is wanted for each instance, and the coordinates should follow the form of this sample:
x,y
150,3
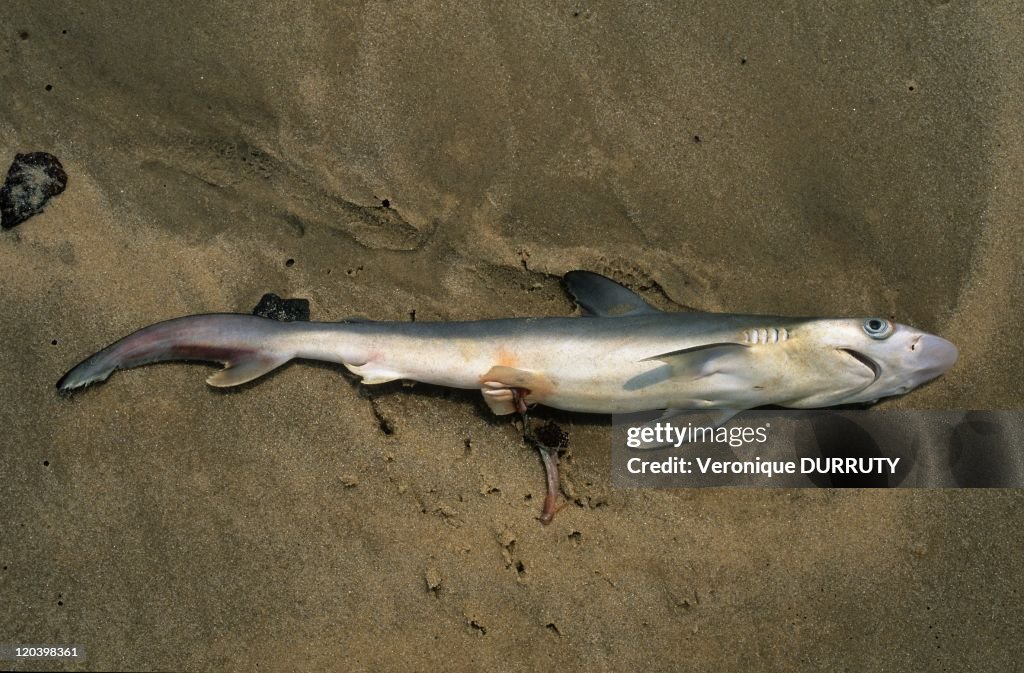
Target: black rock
x,y
31,180
285,310
551,435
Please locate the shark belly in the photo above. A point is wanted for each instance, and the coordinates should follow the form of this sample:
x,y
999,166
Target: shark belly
x,y
573,372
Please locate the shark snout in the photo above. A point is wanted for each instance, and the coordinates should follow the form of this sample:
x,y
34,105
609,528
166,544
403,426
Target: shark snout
x,y
934,356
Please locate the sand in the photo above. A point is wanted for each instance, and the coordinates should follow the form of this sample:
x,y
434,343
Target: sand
x,y
851,159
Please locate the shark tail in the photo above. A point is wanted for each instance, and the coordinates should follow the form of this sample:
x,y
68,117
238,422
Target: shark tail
x,y
248,347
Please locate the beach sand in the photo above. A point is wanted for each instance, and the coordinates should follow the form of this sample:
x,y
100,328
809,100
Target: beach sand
x,y
382,158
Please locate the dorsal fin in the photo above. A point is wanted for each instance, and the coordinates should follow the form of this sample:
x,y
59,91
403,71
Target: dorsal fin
x,y
603,297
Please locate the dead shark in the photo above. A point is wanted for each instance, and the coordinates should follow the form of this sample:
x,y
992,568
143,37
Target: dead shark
x,y
622,355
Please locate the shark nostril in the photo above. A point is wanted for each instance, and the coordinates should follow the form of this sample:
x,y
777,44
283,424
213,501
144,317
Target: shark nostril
x,y
913,344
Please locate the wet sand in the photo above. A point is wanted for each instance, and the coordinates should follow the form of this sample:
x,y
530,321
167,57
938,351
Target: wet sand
x,y
382,159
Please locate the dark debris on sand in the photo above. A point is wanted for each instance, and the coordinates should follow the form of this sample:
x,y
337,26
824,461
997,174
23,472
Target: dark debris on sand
x,y
285,310
551,434
31,181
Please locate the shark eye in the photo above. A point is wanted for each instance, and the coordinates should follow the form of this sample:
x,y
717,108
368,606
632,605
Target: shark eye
x,y
878,328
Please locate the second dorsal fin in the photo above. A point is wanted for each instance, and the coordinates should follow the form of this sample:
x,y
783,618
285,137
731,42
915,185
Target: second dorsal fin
x,y
603,297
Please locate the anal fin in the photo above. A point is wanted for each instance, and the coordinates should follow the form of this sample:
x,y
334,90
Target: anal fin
x,y
245,369
372,373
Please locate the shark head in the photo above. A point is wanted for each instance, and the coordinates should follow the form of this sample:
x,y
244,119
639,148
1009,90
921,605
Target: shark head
x,y
872,358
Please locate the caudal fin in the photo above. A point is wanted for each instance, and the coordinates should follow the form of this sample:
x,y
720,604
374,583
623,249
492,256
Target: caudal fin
x,y
248,347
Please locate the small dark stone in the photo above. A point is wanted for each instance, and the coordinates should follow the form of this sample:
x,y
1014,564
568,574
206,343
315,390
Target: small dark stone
x,y
285,310
31,180
551,435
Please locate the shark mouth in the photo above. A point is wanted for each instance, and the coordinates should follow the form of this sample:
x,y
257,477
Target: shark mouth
x,y
864,360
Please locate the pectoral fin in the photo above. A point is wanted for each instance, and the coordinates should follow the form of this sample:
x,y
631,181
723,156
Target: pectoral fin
x,y
701,361
716,417
603,297
713,418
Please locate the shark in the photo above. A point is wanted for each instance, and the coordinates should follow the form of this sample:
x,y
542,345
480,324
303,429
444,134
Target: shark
x,y
620,355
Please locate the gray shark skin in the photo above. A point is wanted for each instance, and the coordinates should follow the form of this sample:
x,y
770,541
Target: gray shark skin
x,y
621,356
